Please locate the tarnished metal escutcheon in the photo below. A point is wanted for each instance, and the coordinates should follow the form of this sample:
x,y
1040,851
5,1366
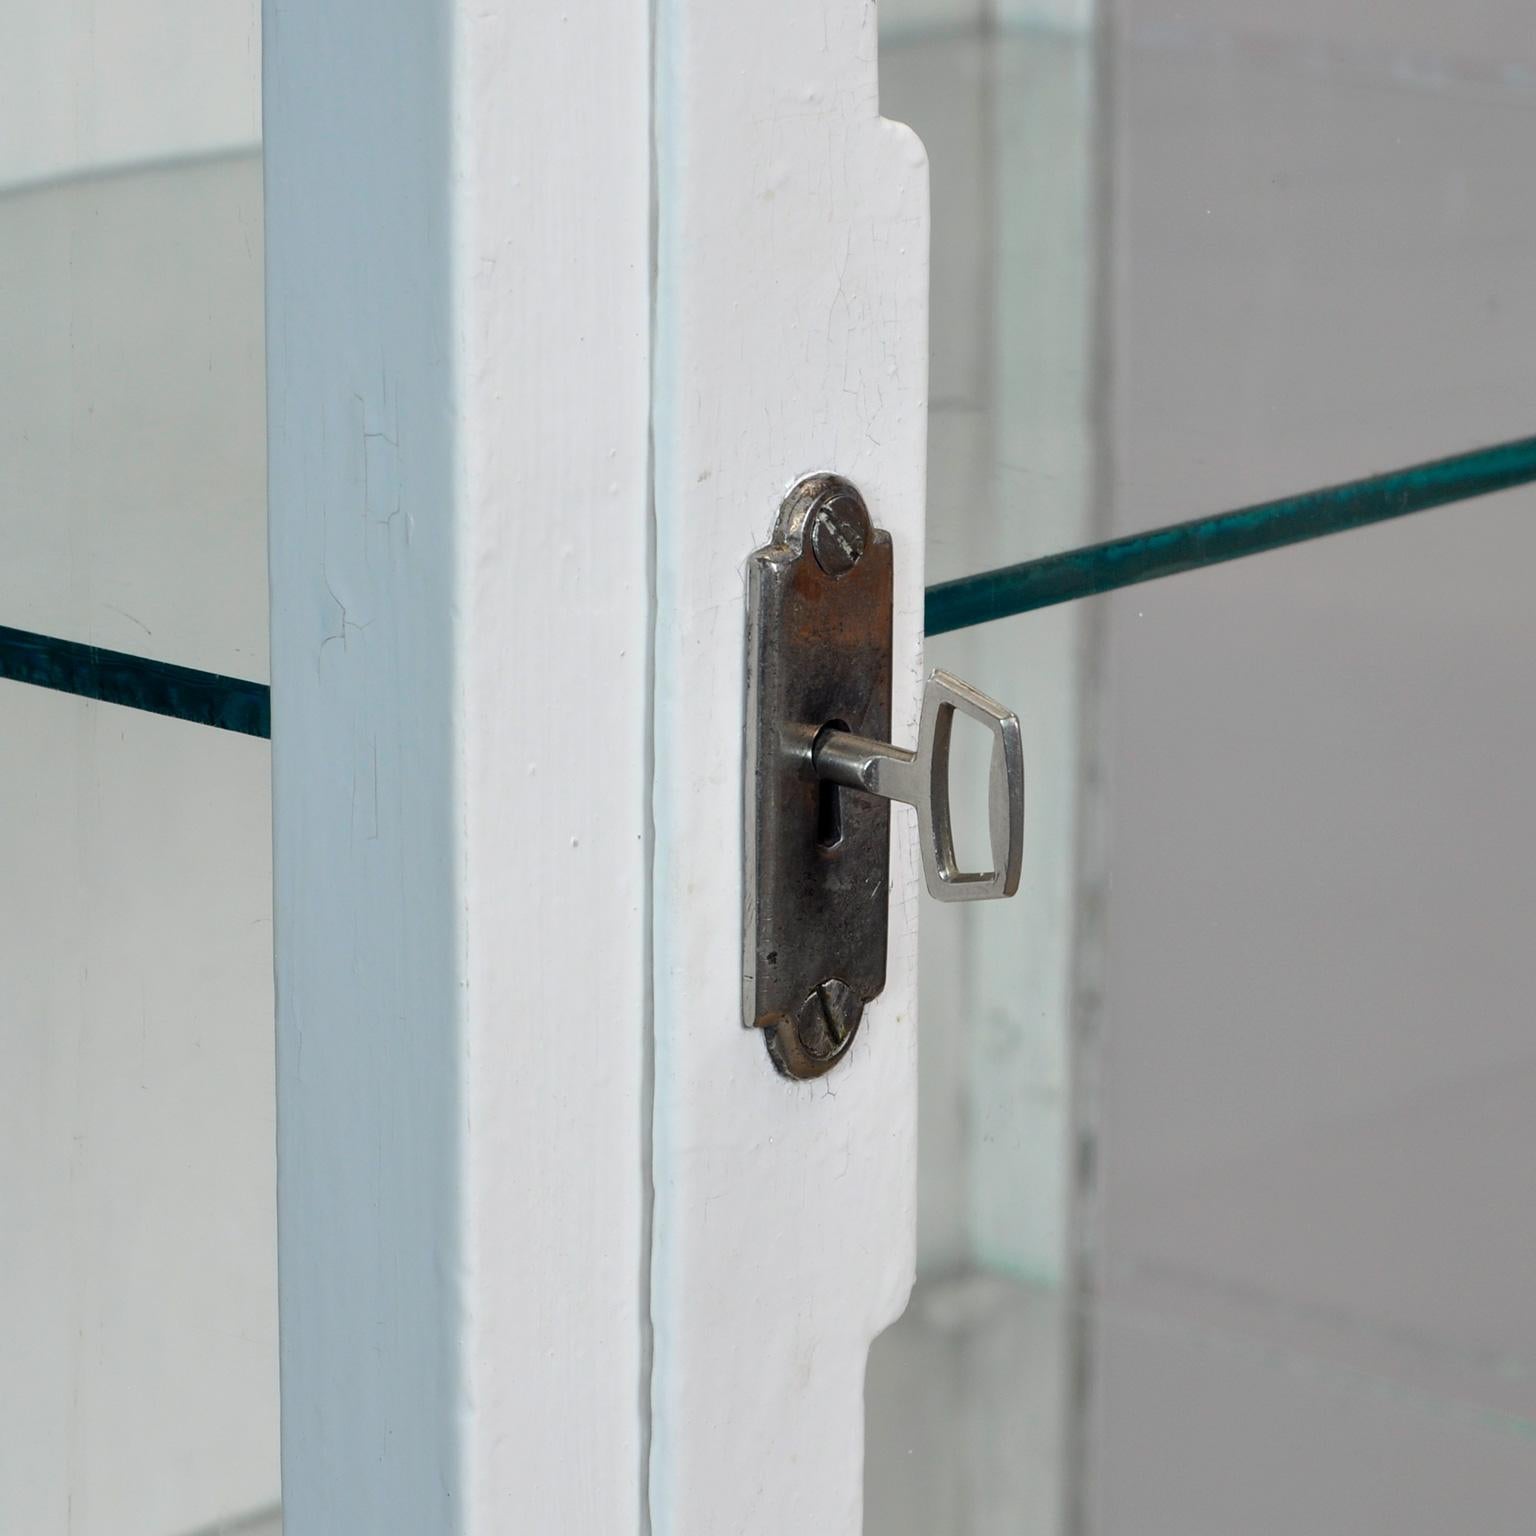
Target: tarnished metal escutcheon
x,y
817,857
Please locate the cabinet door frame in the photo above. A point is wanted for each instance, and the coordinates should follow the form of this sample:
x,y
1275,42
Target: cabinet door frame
x,y
791,337
560,300
458,313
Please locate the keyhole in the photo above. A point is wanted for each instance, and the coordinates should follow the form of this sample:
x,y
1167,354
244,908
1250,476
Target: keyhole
x,y
829,801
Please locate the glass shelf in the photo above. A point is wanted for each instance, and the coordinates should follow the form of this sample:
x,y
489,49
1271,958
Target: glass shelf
x,y
1206,541
1223,1119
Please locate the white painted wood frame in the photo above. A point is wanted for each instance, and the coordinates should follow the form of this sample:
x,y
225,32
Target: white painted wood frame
x,y
474,727
791,337
458,252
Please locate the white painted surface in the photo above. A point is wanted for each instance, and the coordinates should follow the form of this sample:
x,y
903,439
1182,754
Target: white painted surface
x,y
138,1331
791,326
86,86
458,310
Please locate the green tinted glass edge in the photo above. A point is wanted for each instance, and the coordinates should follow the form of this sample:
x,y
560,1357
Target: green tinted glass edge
x,y
1204,541
236,704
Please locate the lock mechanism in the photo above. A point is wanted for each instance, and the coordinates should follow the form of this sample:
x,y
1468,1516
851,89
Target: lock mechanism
x,y
822,772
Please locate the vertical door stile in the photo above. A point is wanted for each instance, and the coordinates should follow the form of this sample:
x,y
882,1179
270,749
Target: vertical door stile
x,y
791,336
458,309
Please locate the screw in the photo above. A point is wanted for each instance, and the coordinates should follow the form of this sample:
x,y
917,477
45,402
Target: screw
x,y
839,531
826,1020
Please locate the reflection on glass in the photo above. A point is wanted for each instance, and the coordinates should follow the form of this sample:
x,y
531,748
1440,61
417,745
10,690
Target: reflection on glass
x,y
132,417
966,1394
137,1229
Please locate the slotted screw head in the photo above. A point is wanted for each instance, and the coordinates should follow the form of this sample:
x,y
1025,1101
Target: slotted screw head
x,y
839,529
827,1018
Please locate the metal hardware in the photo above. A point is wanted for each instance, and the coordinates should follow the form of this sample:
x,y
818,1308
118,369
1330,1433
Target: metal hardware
x,y
822,774
839,527
818,862
921,779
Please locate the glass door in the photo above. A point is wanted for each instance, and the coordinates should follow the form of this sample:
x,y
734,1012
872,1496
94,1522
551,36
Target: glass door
x,y
1223,1124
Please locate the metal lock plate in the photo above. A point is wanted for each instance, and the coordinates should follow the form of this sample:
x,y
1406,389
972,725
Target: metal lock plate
x,y
822,773
817,854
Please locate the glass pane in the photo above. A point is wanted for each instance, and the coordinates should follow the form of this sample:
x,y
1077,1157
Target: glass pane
x,y
965,1394
1307,238
136,1121
137,1226
1311,1267
1223,1118
1318,256
132,409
